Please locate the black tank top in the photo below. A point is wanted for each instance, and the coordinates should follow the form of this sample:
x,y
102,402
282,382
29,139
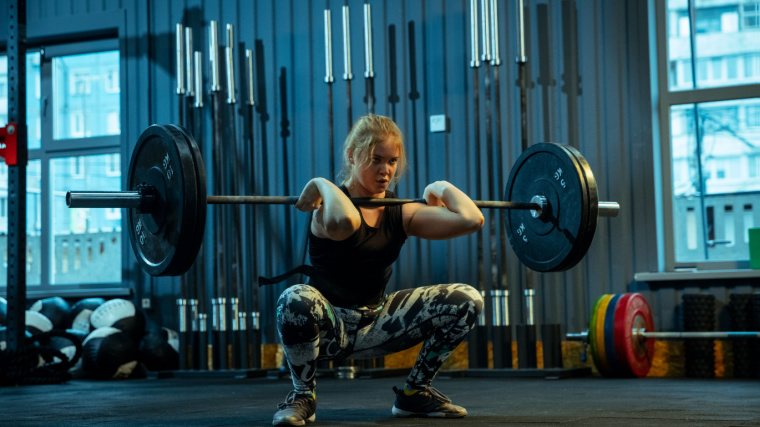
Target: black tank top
x,y
355,271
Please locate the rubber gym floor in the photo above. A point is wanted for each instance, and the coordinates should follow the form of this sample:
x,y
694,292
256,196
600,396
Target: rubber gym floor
x,y
229,401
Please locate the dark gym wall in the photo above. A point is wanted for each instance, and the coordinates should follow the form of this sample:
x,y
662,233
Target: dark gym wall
x,y
589,86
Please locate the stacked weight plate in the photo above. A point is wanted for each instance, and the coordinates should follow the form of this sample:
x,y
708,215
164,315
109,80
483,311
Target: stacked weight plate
x,y
561,237
166,239
616,349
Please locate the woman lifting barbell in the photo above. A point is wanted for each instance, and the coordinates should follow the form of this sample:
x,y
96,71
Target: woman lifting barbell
x,y
344,310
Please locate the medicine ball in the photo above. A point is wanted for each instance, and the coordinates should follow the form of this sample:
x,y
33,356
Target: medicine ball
x,y
159,350
109,353
120,314
54,308
3,310
67,344
37,323
79,314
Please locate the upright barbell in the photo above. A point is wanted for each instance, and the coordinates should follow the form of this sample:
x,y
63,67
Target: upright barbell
x,y
621,335
550,228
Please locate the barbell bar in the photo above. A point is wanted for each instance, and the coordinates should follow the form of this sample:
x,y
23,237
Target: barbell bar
x,y
550,228
141,201
643,334
621,335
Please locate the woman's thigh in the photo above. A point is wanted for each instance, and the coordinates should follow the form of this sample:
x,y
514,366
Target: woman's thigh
x,y
410,316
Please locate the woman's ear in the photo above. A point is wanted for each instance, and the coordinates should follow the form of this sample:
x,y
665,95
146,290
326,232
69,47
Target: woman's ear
x,y
350,153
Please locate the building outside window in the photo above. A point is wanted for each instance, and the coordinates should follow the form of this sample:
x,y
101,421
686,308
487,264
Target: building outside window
x,y
709,98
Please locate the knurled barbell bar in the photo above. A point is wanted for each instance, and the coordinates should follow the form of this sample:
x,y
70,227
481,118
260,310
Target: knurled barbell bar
x,y
166,203
621,335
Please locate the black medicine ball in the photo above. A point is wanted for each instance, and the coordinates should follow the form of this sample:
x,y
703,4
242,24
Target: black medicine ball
x,y
67,344
109,353
79,314
54,308
120,314
159,350
37,323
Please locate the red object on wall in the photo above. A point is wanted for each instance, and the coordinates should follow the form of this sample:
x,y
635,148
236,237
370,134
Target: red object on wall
x,y
8,147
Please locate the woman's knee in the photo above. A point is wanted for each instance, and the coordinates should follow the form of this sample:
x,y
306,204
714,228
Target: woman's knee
x,y
297,303
472,303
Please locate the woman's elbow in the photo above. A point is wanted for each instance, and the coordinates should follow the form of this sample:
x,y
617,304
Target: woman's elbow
x,y
475,222
479,221
343,227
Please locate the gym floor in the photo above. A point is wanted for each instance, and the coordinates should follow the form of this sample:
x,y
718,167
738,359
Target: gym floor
x,y
227,401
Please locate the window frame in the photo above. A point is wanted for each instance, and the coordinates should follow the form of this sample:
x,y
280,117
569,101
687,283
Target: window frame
x,y
663,99
70,147
51,149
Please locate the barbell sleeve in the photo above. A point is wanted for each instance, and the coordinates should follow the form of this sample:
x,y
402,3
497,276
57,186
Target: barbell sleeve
x,y
104,199
609,209
180,59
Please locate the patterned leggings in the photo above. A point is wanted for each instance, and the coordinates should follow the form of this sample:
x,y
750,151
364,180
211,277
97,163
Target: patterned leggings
x,y
312,329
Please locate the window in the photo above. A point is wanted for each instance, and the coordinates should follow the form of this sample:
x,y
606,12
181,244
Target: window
x,y
74,144
77,167
112,165
33,96
86,95
112,80
75,229
751,12
708,65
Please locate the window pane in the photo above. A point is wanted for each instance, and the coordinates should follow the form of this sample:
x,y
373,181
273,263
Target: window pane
x,y
33,223
32,97
715,166
726,43
86,245
86,95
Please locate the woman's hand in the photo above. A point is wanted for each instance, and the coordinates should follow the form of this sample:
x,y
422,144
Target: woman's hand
x,y
434,193
335,217
310,198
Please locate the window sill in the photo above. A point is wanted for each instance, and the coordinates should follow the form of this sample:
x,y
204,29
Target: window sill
x,y
696,275
32,294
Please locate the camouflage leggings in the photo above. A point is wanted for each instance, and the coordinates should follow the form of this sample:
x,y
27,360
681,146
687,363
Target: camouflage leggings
x,y
312,329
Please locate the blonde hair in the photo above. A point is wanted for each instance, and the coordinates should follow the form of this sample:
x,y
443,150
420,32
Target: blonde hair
x,y
366,133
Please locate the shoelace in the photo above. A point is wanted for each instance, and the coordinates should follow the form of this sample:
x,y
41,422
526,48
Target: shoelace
x,y
432,390
290,400
438,395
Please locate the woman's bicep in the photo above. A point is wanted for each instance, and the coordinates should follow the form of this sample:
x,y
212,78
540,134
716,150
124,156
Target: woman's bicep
x,y
437,223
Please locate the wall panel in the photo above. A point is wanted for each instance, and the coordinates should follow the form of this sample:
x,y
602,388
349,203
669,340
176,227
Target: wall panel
x,y
606,113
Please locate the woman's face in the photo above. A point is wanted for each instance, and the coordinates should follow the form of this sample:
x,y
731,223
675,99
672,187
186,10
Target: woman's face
x,y
372,179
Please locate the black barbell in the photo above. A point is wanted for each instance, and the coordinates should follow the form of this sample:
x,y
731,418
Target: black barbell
x,y
166,203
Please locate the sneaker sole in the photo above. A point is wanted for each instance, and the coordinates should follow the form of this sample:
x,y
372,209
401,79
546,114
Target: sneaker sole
x,y
295,423
402,413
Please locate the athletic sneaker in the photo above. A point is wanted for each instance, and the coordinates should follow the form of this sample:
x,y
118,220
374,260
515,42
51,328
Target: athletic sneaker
x,y
428,402
296,410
